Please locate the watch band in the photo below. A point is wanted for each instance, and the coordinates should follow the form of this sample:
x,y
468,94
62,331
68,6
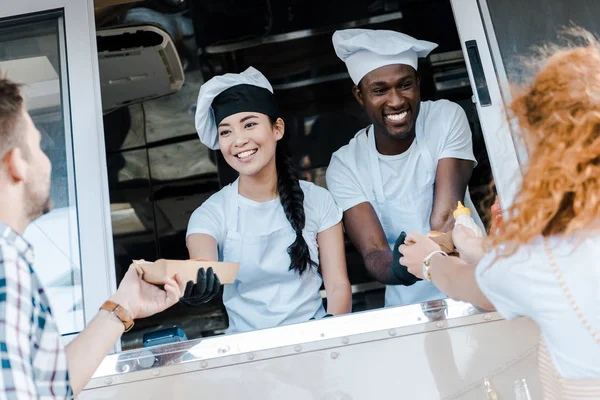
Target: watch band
x,y
121,313
427,264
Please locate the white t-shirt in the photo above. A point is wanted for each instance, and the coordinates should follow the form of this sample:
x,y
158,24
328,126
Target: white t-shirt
x,y
525,284
262,218
447,135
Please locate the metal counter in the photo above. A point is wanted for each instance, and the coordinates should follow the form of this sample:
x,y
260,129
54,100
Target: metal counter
x,y
457,332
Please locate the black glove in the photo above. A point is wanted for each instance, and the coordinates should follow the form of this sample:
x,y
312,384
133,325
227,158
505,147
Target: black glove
x,y
324,316
399,271
207,286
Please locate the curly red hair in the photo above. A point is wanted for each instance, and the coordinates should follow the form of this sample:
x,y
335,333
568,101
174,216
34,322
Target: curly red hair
x,y
559,116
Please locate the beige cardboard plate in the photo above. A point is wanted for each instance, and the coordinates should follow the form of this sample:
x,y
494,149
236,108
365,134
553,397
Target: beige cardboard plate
x,y
444,240
155,272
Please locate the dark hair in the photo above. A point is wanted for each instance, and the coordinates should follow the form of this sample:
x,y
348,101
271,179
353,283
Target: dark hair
x,y
11,103
292,200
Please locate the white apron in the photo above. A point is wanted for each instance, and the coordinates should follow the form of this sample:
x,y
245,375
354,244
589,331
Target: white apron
x,y
410,212
265,293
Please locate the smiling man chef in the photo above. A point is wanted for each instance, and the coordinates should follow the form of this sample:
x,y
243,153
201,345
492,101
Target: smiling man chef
x,y
408,169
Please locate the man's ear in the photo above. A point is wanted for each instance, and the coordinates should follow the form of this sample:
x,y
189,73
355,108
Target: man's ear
x,y
358,95
279,129
15,164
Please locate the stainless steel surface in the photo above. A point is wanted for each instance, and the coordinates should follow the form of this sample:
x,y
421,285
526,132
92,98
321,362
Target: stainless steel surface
x,y
405,320
449,56
430,362
453,84
449,71
284,37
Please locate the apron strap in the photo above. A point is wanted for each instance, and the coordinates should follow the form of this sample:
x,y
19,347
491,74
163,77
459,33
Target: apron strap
x,y
232,208
423,150
377,179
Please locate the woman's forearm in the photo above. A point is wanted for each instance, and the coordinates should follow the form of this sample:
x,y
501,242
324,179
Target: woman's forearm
x,y
339,299
456,278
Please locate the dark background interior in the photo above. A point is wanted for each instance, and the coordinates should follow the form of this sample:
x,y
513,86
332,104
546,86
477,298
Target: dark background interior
x,y
158,171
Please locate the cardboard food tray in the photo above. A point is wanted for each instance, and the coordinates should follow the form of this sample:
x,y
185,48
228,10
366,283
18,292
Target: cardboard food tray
x,y
444,240
155,272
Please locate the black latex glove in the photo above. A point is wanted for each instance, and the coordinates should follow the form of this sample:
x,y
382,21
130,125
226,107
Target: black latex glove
x,y
398,270
206,287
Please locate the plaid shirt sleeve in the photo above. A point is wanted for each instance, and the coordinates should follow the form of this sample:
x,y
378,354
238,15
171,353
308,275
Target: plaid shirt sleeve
x,y
34,361
16,327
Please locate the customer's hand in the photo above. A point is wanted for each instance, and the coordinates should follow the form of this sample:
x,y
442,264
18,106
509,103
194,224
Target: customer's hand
x,y
413,255
206,287
469,246
142,299
496,216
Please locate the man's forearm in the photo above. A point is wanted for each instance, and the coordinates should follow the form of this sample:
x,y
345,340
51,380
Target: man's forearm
x,y
88,349
379,264
443,222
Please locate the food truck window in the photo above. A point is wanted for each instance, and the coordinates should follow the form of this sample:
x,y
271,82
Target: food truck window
x,y
32,53
160,173
521,25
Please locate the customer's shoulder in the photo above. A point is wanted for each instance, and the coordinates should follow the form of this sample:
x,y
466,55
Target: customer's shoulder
x,y
15,270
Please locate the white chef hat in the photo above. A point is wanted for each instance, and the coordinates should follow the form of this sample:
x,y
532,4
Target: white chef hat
x,y
225,95
364,50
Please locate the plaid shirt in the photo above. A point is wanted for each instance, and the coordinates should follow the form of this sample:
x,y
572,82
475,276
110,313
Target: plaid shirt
x,y
34,362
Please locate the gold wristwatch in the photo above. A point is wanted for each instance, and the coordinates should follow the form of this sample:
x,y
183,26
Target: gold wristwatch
x,y
119,312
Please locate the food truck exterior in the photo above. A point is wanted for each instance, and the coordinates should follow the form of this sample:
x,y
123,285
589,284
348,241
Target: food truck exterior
x,y
443,349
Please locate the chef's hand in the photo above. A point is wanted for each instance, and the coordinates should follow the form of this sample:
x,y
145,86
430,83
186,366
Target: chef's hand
x,y
414,254
398,270
207,286
142,299
469,245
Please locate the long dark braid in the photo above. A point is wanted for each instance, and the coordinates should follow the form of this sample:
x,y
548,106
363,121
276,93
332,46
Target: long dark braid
x,y
292,200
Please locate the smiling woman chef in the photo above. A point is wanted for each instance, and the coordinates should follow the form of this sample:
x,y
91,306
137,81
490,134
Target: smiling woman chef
x,y
279,228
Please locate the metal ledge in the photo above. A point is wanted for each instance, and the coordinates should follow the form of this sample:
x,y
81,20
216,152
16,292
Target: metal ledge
x,y
287,340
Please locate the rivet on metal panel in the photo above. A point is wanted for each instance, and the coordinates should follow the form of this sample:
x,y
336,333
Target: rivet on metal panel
x,y
156,372
345,340
297,348
108,381
487,317
203,364
335,355
250,356
392,332
440,324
